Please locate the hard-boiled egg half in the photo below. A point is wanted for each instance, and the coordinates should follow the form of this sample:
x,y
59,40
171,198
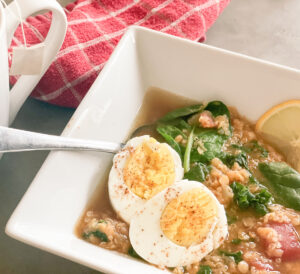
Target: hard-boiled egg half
x,y
179,226
143,168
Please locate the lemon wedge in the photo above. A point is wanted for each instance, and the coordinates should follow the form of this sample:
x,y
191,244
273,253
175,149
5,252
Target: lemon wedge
x,y
280,127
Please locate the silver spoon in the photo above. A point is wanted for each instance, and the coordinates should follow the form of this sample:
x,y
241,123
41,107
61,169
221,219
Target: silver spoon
x,y
14,140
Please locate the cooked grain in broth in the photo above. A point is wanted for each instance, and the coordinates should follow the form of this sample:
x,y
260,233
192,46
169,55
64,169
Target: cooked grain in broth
x,y
247,231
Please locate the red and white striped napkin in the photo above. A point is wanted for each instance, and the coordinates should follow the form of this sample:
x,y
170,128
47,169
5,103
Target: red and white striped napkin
x,y
94,29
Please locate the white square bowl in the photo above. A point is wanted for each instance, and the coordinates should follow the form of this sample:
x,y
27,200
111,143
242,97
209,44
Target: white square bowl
x,y
51,207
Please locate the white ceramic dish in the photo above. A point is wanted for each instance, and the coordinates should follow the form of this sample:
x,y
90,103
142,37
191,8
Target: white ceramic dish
x,y
49,210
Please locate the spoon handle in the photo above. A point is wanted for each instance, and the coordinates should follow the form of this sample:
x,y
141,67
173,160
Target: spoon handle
x,y
14,140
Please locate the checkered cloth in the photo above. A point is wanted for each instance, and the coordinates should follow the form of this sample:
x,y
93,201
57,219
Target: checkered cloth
x,y
94,29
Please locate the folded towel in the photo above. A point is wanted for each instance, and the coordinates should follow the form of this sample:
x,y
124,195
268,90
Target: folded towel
x,y
94,29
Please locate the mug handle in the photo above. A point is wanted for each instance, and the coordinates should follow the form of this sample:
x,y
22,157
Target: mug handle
x,y
26,83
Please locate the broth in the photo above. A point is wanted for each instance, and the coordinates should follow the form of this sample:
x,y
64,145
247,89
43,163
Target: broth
x,y
157,103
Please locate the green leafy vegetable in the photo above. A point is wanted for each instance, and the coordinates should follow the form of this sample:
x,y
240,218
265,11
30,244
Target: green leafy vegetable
x,y
197,172
242,195
258,147
287,196
205,145
218,108
187,154
170,130
237,256
132,253
284,183
241,159
260,209
85,235
253,180
102,221
230,159
211,142
250,147
204,269
281,174
263,196
231,219
245,199
169,133
241,148
180,124
236,241
97,233
181,112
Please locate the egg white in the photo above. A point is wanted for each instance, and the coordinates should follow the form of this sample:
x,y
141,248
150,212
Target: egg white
x,y
123,200
149,241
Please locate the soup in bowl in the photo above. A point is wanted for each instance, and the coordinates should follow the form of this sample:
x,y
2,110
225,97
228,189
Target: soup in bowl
x,y
197,190
61,195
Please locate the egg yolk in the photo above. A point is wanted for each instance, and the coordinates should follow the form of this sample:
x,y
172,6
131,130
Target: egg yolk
x,y
149,169
187,219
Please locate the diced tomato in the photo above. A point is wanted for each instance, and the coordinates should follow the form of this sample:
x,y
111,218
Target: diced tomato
x,y
259,265
289,239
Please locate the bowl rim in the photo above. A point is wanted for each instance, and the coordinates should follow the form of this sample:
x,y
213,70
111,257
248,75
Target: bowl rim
x,y
133,30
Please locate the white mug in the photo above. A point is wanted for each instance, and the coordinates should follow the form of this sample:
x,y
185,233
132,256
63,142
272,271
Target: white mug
x,y
12,100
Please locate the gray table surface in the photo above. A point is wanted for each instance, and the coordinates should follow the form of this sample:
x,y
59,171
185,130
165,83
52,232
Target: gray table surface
x,y
267,29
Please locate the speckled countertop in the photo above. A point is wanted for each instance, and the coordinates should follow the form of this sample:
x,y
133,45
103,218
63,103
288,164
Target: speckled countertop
x,y
267,29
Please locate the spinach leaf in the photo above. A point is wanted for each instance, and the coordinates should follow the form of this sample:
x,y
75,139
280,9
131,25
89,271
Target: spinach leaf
x,y
287,196
241,148
204,269
181,112
237,256
132,253
218,108
187,153
250,147
281,174
180,123
283,182
102,221
245,199
197,172
97,233
169,133
261,149
231,219
212,143
236,241
171,130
